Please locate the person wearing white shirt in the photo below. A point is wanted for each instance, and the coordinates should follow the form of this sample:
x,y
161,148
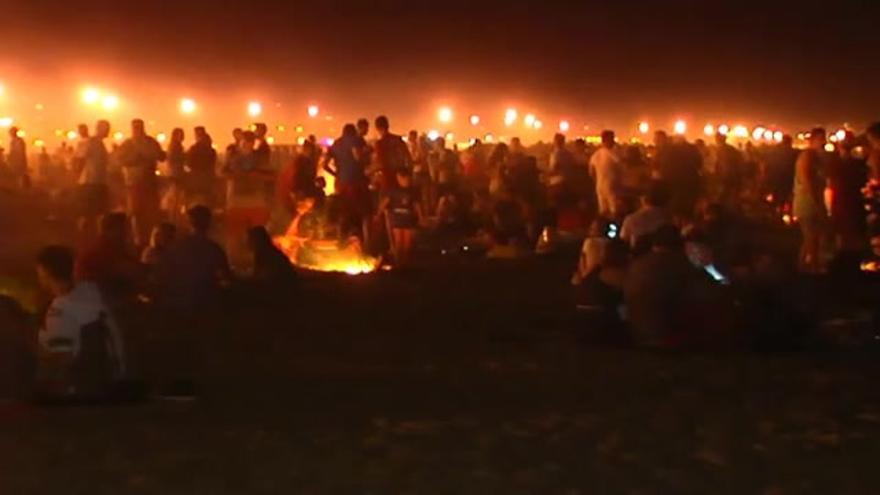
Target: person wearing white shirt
x,y
74,306
649,218
606,169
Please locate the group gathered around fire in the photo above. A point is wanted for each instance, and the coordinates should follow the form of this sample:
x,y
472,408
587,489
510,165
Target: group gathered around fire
x,y
672,235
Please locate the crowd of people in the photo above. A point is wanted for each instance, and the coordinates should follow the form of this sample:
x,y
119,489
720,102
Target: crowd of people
x,y
664,225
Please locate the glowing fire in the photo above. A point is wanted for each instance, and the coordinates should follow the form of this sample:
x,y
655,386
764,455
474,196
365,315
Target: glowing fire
x,y
327,256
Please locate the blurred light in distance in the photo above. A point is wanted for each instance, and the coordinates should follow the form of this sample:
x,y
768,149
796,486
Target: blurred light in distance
x,y
758,133
6,122
538,124
433,134
777,136
118,135
644,127
280,128
724,129
72,135
680,127
708,130
90,96
39,107
475,120
270,139
829,148
187,106
768,135
450,136
529,120
841,134
299,128
510,117
489,138
300,140
110,102
161,137
39,143
564,126
444,114
313,110
741,131
254,109
21,133
328,141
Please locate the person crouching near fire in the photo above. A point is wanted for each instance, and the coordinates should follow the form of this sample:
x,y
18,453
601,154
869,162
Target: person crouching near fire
x,y
403,213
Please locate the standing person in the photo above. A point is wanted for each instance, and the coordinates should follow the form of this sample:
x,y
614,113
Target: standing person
x,y
80,149
297,180
391,153
846,177
351,181
246,204
809,200
729,170
403,209
562,172
778,171
421,174
17,158
606,170
201,159
93,191
139,156
173,200
679,165
262,149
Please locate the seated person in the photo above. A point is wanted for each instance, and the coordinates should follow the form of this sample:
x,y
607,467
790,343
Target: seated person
x,y
109,262
649,218
160,240
592,250
601,291
195,268
79,346
271,266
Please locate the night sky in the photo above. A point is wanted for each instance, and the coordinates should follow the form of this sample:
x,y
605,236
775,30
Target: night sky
x,y
789,64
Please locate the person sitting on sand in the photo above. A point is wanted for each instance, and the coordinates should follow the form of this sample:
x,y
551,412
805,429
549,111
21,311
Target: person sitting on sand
x,y
78,327
160,241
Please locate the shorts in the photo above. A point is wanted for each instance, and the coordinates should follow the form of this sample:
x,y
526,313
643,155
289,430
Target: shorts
x,y
402,219
93,200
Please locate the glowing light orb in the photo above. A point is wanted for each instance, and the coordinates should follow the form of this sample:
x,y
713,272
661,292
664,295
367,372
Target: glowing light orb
x,y
644,127
768,135
270,140
117,136
71,135
564,126
187,106
313,110
510,116
21,133
758,133
6,122
741,131
529,120
110,102
708,130
829,148
328,141
777,136
39,107
450,136
538,124
301,140
90,96
475,120
444,114
161,137
841,134
280,128
433,134
489,138
39,143
724,129
680,127
254,109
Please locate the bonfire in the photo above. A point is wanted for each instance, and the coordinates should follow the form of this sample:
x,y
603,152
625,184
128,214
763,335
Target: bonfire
x,y
325,255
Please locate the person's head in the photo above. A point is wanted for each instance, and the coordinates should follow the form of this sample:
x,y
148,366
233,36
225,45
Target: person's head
x,y
199,219
720,139
260,130
163,235
559,140
177,135
55,269
349,131
137,128
818,139
413,136
382,125
580,145
608,139
873,134
667,238
363,127
248,140
13,132
258,239
516,145
404,177
102,129
200,133
787,142
114,228
82,130
657,195
304,205
661,139
237,134
308,148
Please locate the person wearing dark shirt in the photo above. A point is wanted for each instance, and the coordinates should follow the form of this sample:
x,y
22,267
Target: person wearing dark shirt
x,y
679,164
391,153
778,171
403,211
201,160
847,177
351,180
271,267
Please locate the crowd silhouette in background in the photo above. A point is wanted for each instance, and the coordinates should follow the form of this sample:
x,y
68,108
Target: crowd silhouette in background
x,y
668,230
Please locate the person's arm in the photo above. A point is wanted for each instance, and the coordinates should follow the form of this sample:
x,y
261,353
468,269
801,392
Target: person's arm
x,y
325,164
60,332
